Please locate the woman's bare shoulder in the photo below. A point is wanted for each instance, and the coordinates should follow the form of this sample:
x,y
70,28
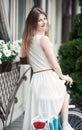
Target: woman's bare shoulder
x,y
44,42
44,38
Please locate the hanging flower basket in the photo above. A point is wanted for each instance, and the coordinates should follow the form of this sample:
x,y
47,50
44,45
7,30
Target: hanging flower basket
x,y
5,67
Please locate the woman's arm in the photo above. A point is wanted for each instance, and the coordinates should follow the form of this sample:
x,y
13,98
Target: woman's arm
x,y
47,48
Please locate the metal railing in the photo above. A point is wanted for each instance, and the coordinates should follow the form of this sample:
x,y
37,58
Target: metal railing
x,y
9,85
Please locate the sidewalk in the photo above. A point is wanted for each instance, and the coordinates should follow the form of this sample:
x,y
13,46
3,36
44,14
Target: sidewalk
x,y
16,125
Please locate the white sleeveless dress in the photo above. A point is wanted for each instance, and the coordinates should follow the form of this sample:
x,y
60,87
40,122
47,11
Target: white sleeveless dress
x,y
46,91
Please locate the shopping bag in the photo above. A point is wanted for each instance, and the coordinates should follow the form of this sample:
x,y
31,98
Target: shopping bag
x,y
55,124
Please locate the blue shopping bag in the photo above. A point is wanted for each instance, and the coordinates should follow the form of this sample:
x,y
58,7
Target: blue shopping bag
x,y
56,124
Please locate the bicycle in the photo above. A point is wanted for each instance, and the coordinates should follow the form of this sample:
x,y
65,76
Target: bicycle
x,y
75,118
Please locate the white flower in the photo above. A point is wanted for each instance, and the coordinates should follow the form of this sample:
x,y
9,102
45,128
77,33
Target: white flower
x,y
2,42
16,47
5,47
18,41
0,55
7,53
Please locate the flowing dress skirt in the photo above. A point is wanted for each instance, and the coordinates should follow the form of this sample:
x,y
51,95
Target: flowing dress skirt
x,y
45,97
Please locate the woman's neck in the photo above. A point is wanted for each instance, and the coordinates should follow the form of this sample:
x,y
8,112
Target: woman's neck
x,y
39,33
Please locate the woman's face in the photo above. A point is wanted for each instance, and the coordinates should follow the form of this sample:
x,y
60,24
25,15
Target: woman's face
x,y
42,23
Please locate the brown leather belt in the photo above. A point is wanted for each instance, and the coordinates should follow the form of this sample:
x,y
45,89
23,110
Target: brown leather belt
x,y
42,71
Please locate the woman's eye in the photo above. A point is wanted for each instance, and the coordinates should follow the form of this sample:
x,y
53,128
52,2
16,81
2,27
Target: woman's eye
x,y
40,20
45,18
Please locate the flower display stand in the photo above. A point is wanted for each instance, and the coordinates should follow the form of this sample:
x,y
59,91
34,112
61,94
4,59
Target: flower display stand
x,y
5,67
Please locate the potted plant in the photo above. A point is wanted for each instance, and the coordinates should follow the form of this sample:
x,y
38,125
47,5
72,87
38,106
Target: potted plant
x,y
9,53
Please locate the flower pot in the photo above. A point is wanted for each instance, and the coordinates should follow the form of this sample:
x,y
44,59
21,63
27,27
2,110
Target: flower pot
x,y
5,67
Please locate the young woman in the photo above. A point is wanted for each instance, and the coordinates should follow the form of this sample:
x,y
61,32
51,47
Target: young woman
x,y
47,93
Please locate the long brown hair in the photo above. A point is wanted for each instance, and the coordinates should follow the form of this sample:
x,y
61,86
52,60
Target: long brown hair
x,y
30,27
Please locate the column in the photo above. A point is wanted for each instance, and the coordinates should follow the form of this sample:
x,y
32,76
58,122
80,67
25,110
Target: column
x,y
58,21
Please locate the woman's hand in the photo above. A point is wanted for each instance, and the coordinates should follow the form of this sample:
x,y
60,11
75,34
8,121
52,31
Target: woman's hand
x,y
68,79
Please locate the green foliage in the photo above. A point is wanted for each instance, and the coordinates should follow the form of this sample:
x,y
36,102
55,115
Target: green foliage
x,y
70,59
76,28
77,25
80,3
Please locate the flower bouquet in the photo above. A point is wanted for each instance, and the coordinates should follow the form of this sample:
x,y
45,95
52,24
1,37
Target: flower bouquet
x,y
9,52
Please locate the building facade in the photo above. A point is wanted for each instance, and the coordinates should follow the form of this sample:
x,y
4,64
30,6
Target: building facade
x,y
60,15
